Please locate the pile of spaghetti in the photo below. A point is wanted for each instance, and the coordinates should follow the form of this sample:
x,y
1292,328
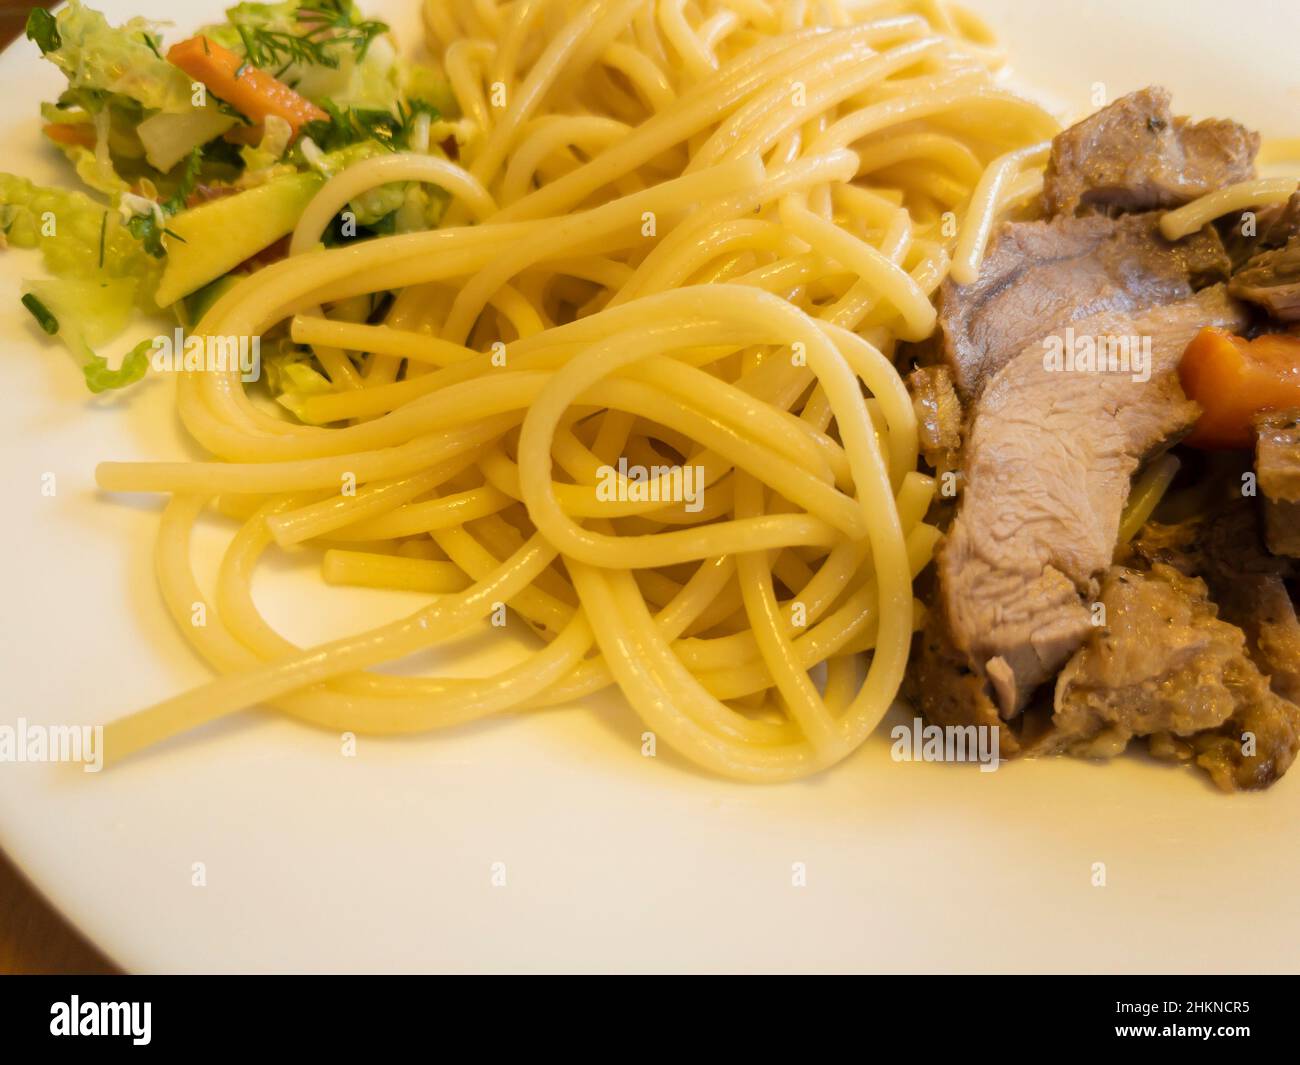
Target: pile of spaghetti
x,y
682,234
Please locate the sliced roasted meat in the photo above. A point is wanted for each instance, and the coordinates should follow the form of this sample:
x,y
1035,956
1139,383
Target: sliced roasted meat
x,y
1134,155
938,415
1277,463
1049,459
1041,275
1164,664
1272,280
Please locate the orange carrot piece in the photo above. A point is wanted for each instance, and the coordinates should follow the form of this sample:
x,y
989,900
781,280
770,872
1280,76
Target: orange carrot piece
x,y
1234,379
79,133
249,91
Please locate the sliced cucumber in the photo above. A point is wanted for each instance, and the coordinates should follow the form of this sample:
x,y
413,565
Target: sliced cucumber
x,y
216,237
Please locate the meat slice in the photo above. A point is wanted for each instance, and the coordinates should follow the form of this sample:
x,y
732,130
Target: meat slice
x,y
1049,459
1271,279
1165,665
938,415
1277,463
1134,155
1041,275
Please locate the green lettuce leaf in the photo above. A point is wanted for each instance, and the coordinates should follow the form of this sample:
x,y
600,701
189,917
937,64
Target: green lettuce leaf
x,y
420,82
85,313
263,159
122,60
292,375
79,239
43,28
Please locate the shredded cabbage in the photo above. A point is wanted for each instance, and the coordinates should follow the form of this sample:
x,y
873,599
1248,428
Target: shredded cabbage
x,y
117,59
263,160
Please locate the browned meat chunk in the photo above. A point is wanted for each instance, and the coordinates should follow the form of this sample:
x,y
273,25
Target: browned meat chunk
x,y
938,415
1163,664
1255,747
1272,280
1049,458
1136,156
1249,584
1282,521
1277,461
1277,454
1226,548
1178,546
1038,276
1269,228
944,686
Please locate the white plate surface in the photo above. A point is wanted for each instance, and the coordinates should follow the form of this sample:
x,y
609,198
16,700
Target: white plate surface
x,y
613,861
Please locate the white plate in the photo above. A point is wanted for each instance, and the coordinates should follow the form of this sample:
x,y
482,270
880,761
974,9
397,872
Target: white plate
x,y
613,861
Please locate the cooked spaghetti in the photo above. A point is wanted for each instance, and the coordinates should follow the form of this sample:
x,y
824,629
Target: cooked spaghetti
x,y
681,236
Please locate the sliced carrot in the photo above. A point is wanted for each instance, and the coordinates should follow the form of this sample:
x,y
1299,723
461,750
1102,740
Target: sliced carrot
x,y
78,133
249,91
1234,379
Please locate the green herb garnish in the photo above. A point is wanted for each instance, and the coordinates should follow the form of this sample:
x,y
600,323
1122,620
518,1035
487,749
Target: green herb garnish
x,y
42,314
346,126
147,229
43,28
327,28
